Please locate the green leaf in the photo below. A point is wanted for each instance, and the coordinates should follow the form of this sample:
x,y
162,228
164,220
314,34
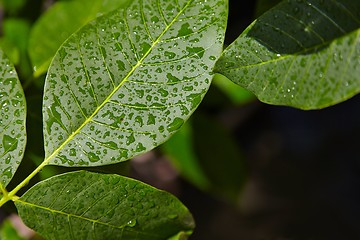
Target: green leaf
x,y
264,5
58,23
210,160
126,82
304,54
181,236
12,6
179,148
12,121
234,92
8,232
84,205
14,42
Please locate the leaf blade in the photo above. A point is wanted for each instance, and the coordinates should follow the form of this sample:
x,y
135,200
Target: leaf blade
x,y
99,206
136,98
301,54
63,17
12,121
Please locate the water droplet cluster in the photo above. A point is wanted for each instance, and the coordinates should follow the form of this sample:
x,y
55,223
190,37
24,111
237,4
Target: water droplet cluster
x,y
12,121
127,81
296,54
107,206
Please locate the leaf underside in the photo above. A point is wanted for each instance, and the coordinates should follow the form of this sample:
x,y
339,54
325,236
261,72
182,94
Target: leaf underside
x,y
12,121
304,54
83,205
127,81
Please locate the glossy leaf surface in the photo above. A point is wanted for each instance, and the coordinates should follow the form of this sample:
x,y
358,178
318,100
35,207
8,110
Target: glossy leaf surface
x,y
12,121
58,23
304,54
127,81
84,205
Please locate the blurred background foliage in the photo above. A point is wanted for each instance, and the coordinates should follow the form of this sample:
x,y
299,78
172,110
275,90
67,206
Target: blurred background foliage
x,y
245,170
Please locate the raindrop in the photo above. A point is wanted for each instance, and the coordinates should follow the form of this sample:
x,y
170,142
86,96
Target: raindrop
x,y
175,125
9,143
131,223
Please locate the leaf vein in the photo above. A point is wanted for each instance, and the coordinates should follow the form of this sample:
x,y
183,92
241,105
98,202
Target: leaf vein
x,y
326,16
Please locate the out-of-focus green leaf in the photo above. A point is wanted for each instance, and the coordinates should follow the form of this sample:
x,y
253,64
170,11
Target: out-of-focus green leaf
x,y
14,38
12,121
84,205
126,82
180,149
301,53
219,157
8,232
234,92
209,159
14,42
59,22
12,6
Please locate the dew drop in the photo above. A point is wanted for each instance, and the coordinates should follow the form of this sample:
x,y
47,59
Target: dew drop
x,y
9,143
131,223
175,125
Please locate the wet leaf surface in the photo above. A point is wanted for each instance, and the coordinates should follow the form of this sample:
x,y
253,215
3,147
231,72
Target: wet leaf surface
x,y
84,205
58,23
301,53
12,121
126,82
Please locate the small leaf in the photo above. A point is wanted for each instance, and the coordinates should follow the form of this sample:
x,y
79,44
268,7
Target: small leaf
x,y
12,121
179,148
210,160
126,82
234,92
84,205
304,54
58,23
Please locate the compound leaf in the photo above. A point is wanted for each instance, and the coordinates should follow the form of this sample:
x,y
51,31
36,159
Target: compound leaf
x,y
301,53
12,121
85,205
128,80
58,23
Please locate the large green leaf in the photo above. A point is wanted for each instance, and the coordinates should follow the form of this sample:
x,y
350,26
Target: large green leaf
x,y
301,53
58,23
127,81
264,5
12,121
84,205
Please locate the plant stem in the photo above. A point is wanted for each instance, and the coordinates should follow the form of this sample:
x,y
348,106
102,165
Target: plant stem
x,y
12,194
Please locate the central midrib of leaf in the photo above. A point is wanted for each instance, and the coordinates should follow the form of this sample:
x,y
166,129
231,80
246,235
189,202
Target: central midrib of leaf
x,y
12,194
82,218
47,160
